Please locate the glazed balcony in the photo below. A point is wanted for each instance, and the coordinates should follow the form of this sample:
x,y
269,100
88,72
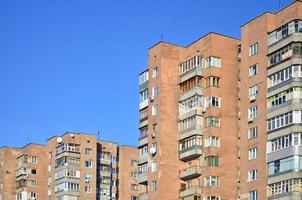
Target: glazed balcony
x,y
143,178
191,92
190,173
196,71
190,191
190,153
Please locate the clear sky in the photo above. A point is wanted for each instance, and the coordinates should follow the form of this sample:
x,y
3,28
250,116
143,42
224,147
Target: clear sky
x,y
73,65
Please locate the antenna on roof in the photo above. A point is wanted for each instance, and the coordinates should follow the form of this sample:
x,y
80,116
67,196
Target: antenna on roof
x,y
98,136
161,37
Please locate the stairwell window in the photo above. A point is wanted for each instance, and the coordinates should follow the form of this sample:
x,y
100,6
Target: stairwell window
x,y
253,195
252,175
253,91
253,70
253,132
212,81
154,109
253,153
212,61
212,141
253,49
252,112
155,72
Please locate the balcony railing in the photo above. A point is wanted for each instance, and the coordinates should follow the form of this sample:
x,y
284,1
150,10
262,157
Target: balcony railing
x,y
190,173
190,153
196,71
143,196
190,191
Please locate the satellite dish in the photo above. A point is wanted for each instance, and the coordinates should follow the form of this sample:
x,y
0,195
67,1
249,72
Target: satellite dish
x,y
72,135
59,139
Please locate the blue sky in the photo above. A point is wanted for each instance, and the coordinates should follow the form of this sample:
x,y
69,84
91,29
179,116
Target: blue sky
x,y
72,65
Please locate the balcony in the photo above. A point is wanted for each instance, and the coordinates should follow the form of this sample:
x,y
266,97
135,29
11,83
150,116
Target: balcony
x,y
196,71
194,130
21,184
190,173
21,172
105,160
143,196
105,173
143,140
191,92
143,178
143,158
295,37
143,104
190,191
190,153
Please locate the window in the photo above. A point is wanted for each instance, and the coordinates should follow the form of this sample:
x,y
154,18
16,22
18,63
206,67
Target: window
x,y
190,104
49,167
211,181
212,141
253,70
143,132
253,132
134,198
284,31
88,164
253,195
70,147
143,168
32,183
88,151
153,185
188,123
143,77
155,72
153,166
67,186
212,161
253,153
191,83
134,175
211,198
143,96
253,91
212,101
154,91
283,142
253,49
293,163
88,189
212,62
284,75
33,195
143,114
284,120
212,121
286,52
33,171
154,109
190,64
32,159
212,81
285,186
190,142
252,175
252,112
134,186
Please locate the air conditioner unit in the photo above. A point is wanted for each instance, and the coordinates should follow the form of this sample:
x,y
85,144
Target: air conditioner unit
x,y
152,150
253,98
152,98
86,180
153,134
203,109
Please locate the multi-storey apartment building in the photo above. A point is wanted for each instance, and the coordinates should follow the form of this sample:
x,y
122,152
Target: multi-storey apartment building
x,y
188,122
72,166
270,105
225,113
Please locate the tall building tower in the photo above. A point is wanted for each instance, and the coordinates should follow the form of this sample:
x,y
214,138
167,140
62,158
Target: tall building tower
x,y
270,105
69,167
188,120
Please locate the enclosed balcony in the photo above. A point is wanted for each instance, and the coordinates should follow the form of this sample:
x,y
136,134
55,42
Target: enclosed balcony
x,y
190,173
143,196
68,147
143,178
190,68
194,191
190,148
